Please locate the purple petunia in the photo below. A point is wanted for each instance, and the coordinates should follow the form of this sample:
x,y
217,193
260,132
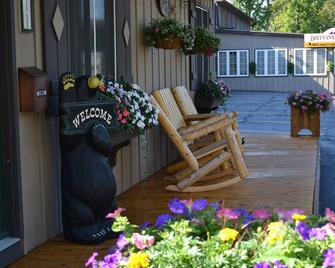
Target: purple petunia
x,y
286,214
303,230
318,234
216,205
176,206
329,258
262,265
241,211
278,264
199,204
163,219
122,242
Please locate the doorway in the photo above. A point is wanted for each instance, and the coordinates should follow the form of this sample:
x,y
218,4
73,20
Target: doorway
x,y
11,225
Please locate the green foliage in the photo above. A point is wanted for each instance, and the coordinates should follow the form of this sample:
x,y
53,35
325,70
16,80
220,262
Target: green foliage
x,y
330,66
259,10
296,16
205,42
290,67
252,67
327,15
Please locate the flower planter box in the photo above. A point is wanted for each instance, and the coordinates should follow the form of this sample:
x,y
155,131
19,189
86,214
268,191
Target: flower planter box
x,y
303,120
168,43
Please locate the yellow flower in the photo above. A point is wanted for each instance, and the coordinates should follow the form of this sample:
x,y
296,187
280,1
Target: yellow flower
x,y
138,260
299,217
275,232
228,234
259,229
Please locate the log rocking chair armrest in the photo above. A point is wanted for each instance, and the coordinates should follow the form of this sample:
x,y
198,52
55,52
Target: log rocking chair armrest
x,y
199,117
193,134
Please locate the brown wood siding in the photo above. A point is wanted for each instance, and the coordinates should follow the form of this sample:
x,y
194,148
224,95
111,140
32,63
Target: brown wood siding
x,y
152,69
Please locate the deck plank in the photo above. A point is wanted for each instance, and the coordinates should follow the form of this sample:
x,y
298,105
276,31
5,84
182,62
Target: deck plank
x,y
282,175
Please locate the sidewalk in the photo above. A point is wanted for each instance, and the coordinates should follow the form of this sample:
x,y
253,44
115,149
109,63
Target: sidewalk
x,y
266,112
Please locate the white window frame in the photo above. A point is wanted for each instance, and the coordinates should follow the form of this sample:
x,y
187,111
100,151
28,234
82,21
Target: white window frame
x,y
238,71
315,62
266,50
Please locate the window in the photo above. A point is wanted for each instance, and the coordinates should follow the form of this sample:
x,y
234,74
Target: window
x,y
233,63
310,61
271,62
91,37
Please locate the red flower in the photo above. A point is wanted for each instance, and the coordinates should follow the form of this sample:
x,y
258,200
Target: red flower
x,y
209,52
124,121
125,112
119,116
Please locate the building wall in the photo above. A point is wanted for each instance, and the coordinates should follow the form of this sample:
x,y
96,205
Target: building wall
x,y
252,41
227,19
152,69
38,149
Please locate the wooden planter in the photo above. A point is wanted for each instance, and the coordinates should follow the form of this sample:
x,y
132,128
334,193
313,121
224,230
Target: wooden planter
x,y
303,120
168,43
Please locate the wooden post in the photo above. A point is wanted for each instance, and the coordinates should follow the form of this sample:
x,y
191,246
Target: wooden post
x,y
303,120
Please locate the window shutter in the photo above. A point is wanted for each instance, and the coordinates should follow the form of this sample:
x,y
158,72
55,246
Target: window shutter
x,y
56,60
123,40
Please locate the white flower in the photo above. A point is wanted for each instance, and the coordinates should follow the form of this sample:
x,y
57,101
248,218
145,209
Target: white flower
x,y
135,86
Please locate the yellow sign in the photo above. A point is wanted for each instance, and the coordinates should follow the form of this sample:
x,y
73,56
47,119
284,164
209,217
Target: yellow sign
x,y
319,40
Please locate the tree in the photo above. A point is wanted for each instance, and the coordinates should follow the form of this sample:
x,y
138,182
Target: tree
x,y
327,15
296,16
259,10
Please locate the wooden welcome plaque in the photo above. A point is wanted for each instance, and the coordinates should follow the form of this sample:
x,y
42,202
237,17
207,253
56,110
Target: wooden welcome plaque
x,y
80,117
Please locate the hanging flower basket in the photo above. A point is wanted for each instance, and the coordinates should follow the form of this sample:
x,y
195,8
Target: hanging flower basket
x,y
168,43
169,33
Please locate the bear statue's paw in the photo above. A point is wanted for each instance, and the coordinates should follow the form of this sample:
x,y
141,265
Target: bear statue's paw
x,y
91,234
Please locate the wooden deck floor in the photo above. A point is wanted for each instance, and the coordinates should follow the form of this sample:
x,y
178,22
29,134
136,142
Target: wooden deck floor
x,y
282,175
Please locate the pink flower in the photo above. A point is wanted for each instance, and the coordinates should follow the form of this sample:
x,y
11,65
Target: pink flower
x,y
115,214
330,215
261,214
188,203
304,108
157,29
227,213
124,121
329,228
143,241
119,116
125,112
92,259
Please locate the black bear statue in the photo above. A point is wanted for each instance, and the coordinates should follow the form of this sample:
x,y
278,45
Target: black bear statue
x,y
88,182
88,188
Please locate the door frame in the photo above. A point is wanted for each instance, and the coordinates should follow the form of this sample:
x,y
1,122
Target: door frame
x,y
11,247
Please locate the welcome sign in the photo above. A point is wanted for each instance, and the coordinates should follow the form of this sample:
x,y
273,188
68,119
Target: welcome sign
x,y
80,117
326,39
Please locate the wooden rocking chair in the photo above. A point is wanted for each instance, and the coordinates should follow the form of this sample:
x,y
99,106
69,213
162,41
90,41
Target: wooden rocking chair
x,y
207,162
189,111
